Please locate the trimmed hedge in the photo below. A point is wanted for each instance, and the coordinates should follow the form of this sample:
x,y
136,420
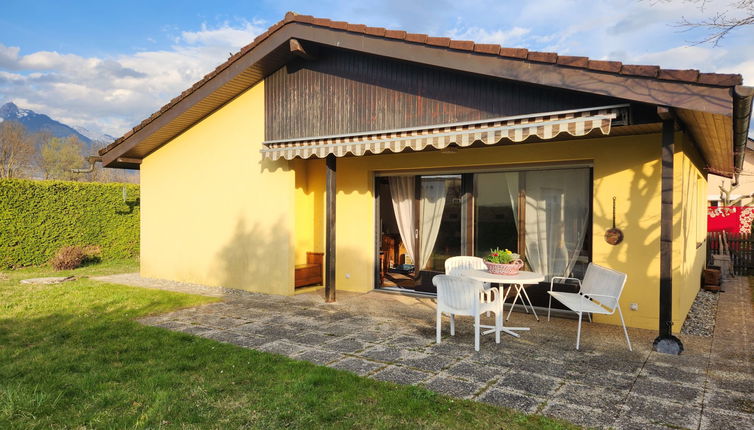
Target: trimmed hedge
x,y
39,217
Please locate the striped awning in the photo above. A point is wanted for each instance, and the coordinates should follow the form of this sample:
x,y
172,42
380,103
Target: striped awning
x,y
579,122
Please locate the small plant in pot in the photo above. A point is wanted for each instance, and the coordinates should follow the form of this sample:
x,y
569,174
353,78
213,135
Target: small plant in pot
x,y
503,262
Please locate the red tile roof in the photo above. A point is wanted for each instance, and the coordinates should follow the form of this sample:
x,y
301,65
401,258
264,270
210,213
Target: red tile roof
x,y
615,67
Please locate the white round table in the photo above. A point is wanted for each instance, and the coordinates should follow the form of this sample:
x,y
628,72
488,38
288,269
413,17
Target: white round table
x,y
523,277
517,281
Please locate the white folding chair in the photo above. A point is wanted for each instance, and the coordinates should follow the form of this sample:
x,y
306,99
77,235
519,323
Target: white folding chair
x,y
464,296
598,293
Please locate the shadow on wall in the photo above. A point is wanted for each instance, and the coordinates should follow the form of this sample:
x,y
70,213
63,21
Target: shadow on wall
x,y
640,249
257,258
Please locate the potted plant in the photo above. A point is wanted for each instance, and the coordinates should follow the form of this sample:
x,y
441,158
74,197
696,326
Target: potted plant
x,y
503,262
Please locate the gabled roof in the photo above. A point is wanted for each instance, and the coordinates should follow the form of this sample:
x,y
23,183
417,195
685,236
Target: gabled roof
x,y
705,97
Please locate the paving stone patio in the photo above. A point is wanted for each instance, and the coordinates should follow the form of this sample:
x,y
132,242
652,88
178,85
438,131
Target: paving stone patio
x,y
390,337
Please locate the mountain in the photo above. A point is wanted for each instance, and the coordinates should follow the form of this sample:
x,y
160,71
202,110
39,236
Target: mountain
x,y
98,139
36,122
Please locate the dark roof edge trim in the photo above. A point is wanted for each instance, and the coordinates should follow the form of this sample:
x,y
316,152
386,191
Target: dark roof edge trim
x,y
742,102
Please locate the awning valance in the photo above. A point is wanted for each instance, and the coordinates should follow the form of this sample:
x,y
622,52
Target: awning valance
x,y
579,122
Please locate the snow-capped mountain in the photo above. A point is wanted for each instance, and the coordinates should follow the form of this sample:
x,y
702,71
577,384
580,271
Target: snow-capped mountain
x,y
103,138
36,122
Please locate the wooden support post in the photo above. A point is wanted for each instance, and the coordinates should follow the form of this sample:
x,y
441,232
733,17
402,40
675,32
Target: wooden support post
x,y
666,342
330,192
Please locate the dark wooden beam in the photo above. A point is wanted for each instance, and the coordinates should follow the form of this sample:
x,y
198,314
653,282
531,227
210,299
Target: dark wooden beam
x,y
664,113
666,342
298,50
128,160
330,191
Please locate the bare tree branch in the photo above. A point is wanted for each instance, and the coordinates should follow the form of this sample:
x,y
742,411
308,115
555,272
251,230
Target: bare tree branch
x,y
16,150
721,23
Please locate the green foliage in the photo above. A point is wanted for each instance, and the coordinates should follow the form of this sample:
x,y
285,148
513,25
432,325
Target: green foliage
x,y
58,156
501,256
37,218
72,357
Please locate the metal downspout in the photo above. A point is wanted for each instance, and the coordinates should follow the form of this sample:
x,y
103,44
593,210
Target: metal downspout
x,y
92,160
742,100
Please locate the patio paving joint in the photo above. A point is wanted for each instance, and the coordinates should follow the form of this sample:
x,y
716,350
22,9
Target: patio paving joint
x,y
631,389
486,387
389,338
707,371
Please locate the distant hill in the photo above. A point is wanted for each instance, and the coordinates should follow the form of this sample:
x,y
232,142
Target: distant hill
x,y
36,122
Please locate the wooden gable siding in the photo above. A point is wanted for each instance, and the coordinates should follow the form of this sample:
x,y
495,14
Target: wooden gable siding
x,y
347,92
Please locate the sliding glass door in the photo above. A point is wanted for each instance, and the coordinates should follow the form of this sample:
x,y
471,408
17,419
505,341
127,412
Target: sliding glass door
x,y
440,225
556,219
543,214
495,205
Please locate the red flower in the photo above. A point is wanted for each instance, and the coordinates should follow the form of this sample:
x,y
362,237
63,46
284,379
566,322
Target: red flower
x,y
495,255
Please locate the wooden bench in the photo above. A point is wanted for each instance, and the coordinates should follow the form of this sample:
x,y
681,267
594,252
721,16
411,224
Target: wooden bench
x,y
311,272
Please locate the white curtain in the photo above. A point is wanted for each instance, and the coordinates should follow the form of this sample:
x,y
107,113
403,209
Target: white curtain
x,y
402,192
511,179
557,211
432,205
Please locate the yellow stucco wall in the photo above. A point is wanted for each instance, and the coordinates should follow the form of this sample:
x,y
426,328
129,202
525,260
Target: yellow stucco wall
x,y
625,167
689,228
213,212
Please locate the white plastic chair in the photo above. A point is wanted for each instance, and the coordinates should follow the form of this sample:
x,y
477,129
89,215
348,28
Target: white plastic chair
x,y
465,262
464,296
453,264
598,294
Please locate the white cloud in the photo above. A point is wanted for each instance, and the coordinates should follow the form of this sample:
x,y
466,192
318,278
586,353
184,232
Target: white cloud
x,y
112,94
224,35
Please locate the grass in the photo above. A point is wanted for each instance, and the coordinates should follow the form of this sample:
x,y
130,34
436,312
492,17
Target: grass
x,y
72,356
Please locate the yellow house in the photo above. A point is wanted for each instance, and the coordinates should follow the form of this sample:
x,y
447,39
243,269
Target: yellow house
x,y
389,151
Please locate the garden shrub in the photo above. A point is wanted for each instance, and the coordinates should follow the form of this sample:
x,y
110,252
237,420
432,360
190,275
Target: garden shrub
x,y
68,257
37,218
72,257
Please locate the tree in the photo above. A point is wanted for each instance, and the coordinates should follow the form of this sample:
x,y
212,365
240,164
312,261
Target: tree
x,y
59,156
16,150
725,194
720,23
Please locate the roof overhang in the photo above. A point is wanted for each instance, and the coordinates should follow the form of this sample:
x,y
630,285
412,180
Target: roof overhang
x,y
695,102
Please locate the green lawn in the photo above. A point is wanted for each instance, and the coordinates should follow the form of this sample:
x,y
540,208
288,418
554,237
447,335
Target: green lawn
x,y
71,356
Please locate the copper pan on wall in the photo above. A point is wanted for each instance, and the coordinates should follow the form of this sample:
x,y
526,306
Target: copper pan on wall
x,y
614,235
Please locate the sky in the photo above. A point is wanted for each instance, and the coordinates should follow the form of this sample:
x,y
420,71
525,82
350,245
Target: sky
x,y
106,66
